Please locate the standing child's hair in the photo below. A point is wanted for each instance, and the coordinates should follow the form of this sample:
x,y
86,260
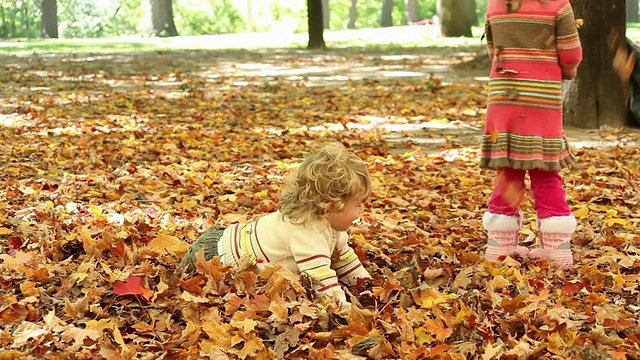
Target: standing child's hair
x,y
324,182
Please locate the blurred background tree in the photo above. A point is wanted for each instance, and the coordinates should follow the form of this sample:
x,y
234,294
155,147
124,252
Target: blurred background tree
x,y
21,19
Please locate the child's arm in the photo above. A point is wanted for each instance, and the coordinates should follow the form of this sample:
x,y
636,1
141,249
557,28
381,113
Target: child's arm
x,y
347,264
312,253
489,36
568,42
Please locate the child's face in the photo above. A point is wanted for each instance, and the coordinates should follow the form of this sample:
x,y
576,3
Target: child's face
x,y
341,221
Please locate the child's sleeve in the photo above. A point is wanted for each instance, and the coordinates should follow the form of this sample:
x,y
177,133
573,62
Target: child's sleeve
x,y
312,252
568,42
489,36
347,264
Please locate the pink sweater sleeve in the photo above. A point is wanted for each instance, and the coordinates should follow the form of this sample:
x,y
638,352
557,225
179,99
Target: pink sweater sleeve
x,y
568,42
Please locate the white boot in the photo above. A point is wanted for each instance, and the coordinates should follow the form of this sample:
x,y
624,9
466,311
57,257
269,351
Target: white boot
x,y
502,232
555,239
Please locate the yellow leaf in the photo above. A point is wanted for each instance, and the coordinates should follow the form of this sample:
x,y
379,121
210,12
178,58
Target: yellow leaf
x,y
115,275
611,222
581,213
97,212
5,231
169,244
433,301
422,336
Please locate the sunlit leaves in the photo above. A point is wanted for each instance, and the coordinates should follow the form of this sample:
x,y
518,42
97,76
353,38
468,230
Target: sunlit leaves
x,y
108,180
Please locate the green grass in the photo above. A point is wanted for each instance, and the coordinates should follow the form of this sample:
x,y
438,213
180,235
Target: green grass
x,y
393,37
369,39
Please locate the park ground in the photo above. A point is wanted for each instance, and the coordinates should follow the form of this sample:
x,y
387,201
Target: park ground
x,y
117,154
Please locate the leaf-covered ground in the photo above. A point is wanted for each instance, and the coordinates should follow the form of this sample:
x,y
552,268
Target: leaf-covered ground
x,y
112,164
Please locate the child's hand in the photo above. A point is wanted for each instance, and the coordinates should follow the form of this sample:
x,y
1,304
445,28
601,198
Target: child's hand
x,y
345,307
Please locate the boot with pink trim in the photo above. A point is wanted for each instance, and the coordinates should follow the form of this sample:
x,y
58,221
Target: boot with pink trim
x,y
555,239
502,233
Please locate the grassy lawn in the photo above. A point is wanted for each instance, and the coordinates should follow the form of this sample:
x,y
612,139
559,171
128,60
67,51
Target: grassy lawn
x,y
397,37
394,37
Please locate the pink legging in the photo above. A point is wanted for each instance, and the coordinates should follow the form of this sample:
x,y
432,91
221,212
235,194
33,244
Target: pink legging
x,y
546,187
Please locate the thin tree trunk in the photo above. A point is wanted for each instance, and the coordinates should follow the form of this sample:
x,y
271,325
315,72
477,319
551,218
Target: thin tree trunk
x,y
249,17
316,30
326,11
50,19
633,11
386,18
353,14
454,17
472,6
162,18
597,96
411,11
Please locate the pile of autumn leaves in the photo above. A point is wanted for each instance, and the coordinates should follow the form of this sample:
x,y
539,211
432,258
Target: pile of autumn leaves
x,y
98,210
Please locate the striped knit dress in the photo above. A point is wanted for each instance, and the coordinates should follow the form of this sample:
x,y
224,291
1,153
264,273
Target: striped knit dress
x,y
534,45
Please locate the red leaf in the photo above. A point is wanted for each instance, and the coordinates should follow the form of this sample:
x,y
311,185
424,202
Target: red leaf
x,y
131,286
571,288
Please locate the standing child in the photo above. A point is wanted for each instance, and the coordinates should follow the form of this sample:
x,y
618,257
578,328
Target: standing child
x,y
534,45
307,234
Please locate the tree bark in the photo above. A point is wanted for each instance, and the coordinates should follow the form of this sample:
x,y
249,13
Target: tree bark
x,y
386,16
473,16
411,11
454,17
162,18
314,20
353,14
326,12
50,19
633,10
597,97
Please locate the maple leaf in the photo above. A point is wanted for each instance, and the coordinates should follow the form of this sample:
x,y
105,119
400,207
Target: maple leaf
x,y
437,328
286,340
165,243
78,335
132,286
17,259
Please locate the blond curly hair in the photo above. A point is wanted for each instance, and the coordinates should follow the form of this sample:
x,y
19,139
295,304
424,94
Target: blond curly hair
x,y
325,181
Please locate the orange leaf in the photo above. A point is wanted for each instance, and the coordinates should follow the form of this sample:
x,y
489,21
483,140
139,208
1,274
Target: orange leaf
x,y
437,328
512,192
493,136
132,286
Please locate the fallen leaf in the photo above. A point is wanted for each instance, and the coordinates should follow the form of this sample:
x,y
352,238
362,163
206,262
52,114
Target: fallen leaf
x,y
132,286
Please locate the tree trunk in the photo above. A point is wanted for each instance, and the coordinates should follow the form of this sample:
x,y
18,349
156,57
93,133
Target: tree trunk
x,y
353,14
454,17
632,11
326,14
411,11
473,16
597,96
386,18
314,20
249,16
50,19
162,18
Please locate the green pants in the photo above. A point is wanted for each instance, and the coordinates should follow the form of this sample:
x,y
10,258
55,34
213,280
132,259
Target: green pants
x,y
209,239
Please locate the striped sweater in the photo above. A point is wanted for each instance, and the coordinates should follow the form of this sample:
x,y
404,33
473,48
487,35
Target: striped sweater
x,y
534,45
318,250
